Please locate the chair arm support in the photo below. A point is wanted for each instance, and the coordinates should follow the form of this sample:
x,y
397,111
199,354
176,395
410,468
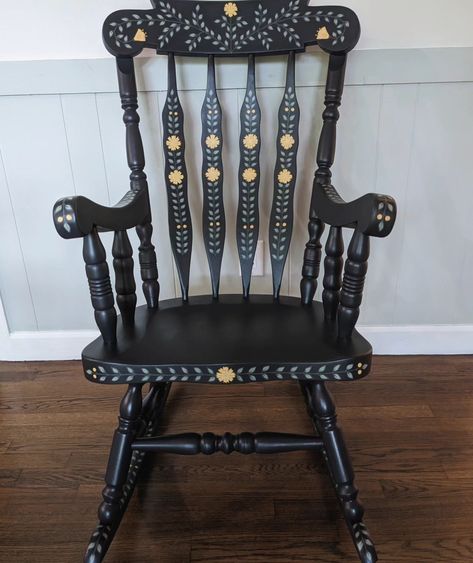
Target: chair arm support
x,y
76,217
372,214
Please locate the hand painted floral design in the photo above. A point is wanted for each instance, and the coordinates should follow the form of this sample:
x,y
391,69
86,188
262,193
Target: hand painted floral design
x,y
212,174
250,141
212,141
250,175
225,375
285,176
173,143
176,177
287,141
238,33
230,9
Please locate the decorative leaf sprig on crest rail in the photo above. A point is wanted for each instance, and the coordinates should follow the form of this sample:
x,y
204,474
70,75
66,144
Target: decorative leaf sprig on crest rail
x,y
232,27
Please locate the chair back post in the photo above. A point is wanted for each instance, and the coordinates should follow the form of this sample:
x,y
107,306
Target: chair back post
x,y
138,180
323,175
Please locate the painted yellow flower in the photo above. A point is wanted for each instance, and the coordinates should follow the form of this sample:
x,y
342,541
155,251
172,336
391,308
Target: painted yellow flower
x,y
212,174
249,175
285,176
173,143
287,141
250,141
212,141
226,375
176,177
230,9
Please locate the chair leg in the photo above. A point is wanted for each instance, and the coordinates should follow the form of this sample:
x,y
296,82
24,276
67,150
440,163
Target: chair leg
x,y
322,409
137,418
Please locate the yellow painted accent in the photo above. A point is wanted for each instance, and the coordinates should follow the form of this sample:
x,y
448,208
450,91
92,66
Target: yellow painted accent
x,y
140,36
225,375
323,33
230,9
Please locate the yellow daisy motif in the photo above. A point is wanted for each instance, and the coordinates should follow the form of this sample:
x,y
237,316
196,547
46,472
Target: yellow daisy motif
x,y
285,176
250,141
230,9
226,375
176,177
212,174
287,141
212,141
249,175
173,143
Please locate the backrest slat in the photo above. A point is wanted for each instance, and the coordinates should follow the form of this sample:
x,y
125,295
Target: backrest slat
x,y
282,213
249,178
180,224
212,178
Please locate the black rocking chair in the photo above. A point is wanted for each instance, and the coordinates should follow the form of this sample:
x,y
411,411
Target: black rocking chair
x,y
228,339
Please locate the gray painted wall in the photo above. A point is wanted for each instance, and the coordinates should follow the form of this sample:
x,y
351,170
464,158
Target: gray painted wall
x,y
406,130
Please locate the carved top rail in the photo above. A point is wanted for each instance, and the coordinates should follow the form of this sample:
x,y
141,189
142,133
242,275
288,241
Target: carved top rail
x,y
191,27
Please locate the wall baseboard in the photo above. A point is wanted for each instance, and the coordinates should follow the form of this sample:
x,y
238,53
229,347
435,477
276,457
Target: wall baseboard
x,y
386,340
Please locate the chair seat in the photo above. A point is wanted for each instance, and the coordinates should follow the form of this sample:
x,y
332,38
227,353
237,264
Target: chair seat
x,y
231,340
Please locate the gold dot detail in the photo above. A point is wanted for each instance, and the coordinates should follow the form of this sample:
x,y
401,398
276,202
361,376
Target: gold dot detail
x,y
69,217
388,218
60,219
360,372
379,217
284,224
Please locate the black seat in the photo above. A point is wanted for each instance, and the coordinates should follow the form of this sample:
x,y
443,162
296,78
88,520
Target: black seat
x,y
230,340
227,339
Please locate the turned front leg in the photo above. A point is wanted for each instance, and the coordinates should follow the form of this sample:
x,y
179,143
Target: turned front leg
x,y
129,423
338,459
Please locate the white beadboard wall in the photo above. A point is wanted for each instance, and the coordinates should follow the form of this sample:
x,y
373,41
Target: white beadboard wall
x,y
406,130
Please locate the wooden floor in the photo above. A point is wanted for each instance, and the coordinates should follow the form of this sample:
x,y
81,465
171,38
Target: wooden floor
x,y
409,427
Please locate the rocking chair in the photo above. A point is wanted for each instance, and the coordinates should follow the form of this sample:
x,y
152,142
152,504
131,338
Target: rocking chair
x,y
227,339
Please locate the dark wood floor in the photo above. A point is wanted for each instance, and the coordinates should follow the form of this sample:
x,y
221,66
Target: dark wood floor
x,y
409,427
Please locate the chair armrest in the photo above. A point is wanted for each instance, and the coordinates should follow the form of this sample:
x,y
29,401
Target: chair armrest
x,y
372,214
76,217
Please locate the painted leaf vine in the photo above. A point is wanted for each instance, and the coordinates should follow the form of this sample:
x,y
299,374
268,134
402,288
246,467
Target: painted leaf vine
x,y
230,31
285,176
250,173
212,172
176,178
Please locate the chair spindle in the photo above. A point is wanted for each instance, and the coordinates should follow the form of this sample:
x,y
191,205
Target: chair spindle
x,y
282,213
312,258
180,223
249,178
333,272
351,295
212,178
148,265
125,285
101,294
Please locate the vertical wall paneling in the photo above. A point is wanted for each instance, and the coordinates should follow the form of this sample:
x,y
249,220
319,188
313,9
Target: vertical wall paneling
x,y
38,172
14,287
438,210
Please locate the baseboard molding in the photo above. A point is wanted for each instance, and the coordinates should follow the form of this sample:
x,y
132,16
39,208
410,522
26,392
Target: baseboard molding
x,y
386,340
